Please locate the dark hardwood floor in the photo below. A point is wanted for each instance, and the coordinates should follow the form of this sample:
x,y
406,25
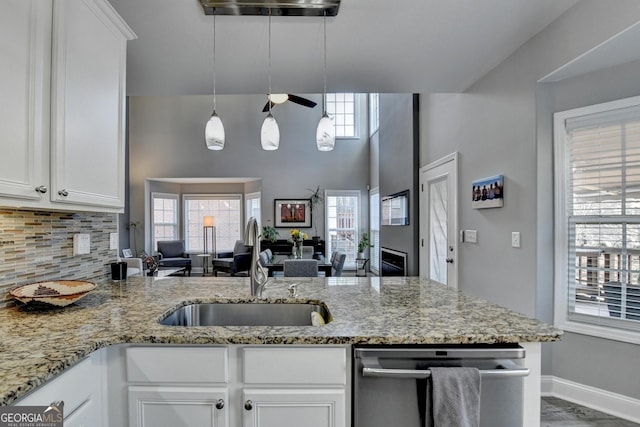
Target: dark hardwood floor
x,y
560,413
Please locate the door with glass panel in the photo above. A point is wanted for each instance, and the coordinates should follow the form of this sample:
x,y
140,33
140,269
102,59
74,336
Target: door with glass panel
x,y
438,221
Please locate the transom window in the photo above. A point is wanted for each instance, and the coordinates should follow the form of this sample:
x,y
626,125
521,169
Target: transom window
x,y
227,213
342,107
597,219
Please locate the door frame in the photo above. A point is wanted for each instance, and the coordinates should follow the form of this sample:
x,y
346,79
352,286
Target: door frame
x,y
449,160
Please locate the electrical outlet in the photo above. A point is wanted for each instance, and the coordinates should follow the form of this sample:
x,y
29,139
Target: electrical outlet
x,y
81,244
515,239
113,241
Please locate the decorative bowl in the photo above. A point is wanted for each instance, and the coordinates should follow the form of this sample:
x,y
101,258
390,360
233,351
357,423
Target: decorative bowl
x,y
59,293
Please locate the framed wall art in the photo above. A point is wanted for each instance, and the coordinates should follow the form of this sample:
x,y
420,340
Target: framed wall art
x,y
292,213
488,192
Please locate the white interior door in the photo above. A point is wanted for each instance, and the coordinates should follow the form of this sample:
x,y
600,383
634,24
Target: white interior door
x,y
439,221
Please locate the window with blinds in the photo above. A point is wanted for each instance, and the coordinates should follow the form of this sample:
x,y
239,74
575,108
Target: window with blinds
x,y
341,219
374,230
600,161
164,218
227,213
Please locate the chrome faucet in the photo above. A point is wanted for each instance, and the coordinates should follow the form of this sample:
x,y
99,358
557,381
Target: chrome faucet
x,y
257,272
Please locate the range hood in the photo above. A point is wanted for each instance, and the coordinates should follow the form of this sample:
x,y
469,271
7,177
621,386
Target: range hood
x,y
277,7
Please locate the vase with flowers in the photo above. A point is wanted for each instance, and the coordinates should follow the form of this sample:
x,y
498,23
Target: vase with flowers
x,y
298,237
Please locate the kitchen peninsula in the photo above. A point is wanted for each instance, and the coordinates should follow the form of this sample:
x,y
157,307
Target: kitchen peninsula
x,y
390,310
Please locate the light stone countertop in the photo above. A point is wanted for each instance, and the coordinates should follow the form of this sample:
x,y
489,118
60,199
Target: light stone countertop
x,y
36,345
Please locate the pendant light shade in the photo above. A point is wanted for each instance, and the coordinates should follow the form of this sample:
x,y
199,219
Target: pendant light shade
x,y
270,134
326,132
214,135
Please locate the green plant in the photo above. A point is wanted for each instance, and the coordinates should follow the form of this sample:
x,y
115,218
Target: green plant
x,y
269,233
364,243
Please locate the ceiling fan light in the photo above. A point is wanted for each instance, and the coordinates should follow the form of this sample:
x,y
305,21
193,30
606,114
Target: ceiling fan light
x,y
278,98
270,134
214,133
326,133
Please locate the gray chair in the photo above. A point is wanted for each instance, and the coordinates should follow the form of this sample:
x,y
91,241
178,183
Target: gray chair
x,y
234,263
265,256
300,268
171,254
337,263
307,251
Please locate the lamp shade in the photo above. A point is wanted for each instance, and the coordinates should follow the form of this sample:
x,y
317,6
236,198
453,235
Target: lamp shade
x,y
326,133
207,221
214,132
270,134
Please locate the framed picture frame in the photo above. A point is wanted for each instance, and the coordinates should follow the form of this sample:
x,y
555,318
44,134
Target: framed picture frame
x,y
292,213
126,253
487,192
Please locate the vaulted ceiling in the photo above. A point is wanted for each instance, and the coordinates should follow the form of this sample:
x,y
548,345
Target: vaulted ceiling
x,y
400,46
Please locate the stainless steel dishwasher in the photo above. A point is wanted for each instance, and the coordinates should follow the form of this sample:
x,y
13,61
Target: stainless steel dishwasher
x,y
389,382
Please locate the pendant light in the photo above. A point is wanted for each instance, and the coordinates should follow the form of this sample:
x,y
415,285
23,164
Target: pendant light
x,y
270,133
214,130
326,132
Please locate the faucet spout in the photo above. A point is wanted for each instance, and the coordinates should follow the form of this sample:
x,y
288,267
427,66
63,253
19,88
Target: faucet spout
x,y
258,274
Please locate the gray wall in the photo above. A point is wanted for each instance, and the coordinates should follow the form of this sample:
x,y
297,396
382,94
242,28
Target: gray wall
x,y
495,128
398,156
166,140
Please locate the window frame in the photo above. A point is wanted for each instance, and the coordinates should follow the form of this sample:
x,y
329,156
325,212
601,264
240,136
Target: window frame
x,y
250,197
374,252
356,115
176,233
210,196
343,193
374,113
562,317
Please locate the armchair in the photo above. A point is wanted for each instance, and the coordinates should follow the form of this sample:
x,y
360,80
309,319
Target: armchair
x,y
172,255
134,266
233,263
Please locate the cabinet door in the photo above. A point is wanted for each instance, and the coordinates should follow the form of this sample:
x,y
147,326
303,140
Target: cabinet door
x,y
87,104
158,406
25,43
294,407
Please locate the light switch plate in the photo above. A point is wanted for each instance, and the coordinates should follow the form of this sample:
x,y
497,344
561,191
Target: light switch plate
x,y
471,236
113,241
81,244
515,239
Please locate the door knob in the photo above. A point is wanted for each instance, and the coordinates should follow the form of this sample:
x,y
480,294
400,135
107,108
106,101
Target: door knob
x,y
449,260
220,404
248,405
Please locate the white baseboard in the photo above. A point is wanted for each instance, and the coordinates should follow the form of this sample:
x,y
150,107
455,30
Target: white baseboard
x,y
615,404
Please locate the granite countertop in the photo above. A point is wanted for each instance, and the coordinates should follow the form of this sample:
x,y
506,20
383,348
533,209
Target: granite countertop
x,y
36,345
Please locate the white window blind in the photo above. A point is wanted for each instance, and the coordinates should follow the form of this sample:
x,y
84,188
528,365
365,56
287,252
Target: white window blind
x,y
252,204
227,213
164,218
602,207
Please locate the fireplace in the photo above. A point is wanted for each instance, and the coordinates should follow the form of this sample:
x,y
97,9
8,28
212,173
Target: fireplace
x,y
394,263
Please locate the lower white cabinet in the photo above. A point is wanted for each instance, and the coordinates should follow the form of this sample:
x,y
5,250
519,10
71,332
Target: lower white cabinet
x,y
278,407
81,389
153,406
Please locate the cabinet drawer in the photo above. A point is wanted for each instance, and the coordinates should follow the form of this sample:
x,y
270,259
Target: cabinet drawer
x,y
295,365
177,365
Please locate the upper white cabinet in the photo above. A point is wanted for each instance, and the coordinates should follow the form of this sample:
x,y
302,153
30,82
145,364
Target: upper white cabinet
x,y
63,128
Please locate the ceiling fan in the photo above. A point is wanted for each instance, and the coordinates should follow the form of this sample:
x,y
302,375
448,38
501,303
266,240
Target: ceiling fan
x,y
279,98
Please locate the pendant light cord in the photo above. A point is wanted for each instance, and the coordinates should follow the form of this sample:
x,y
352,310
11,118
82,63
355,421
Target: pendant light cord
x,y
214,59
269,96
325,61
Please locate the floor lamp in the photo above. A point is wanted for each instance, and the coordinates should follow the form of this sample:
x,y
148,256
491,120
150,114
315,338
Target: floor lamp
x,y
207,223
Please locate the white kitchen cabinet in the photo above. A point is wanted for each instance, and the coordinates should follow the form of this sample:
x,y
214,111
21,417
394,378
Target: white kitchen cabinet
x,y
81,388
62,121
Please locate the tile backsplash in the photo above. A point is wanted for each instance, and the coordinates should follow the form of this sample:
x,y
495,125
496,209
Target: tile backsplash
x,y
38,245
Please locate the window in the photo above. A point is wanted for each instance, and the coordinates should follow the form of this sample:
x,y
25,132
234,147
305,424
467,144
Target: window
x,y
374,230
164,219
341,213
598,219
252,204
374,113
342,107
227,213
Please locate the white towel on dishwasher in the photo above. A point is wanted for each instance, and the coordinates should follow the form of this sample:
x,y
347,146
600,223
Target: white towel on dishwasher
x,y
454,397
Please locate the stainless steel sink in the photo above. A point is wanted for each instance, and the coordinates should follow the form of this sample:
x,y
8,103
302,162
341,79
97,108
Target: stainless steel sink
x,y
245,314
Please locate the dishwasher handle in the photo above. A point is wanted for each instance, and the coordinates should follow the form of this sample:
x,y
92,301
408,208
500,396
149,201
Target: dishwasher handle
x,y
372,368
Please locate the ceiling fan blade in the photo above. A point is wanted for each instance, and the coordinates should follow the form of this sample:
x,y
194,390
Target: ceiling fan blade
x,y
302,101
266,106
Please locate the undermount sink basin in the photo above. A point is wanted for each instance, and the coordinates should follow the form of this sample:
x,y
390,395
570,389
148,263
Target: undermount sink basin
x,y
245,314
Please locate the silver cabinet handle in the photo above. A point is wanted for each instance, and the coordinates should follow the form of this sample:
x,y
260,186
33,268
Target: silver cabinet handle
x,y
220,404
41,189
373,369
248,405
63,193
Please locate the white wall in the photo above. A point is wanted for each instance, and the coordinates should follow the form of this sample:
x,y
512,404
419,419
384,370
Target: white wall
x,y
495,128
